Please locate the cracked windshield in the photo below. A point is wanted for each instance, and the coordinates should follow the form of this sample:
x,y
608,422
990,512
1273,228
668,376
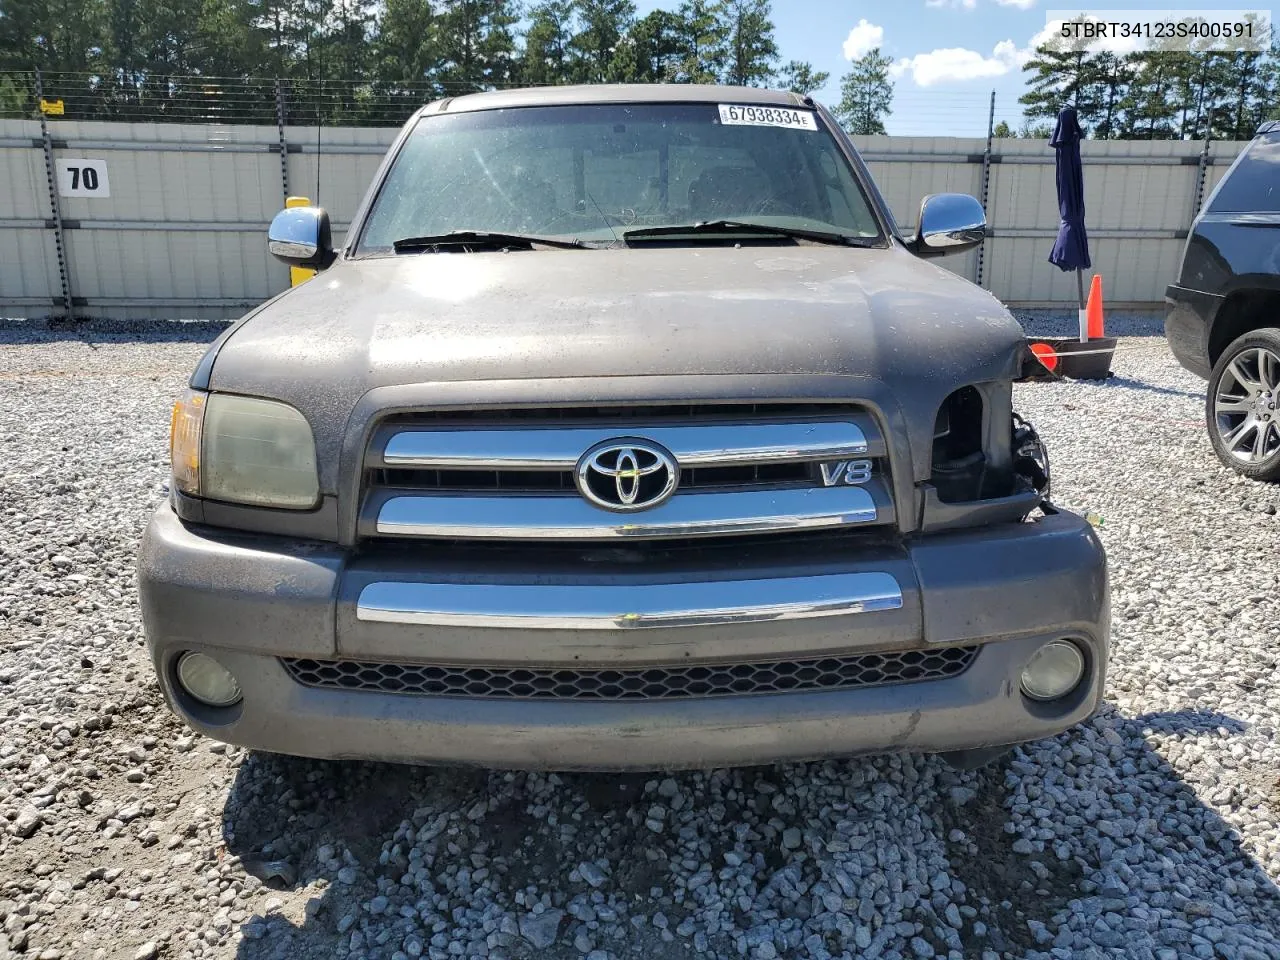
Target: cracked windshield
x,y
592,173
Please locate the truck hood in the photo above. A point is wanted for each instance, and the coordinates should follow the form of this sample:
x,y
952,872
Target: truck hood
x,y
880,314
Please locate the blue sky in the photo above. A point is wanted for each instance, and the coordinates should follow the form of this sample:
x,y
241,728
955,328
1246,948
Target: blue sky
x,y
949,54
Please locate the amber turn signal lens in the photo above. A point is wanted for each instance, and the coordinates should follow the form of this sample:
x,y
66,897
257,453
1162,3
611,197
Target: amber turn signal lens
x,y
184,441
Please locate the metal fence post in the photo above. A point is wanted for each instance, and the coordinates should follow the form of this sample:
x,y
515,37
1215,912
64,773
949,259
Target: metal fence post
x,y
284,145
1197,195
986,182
51,175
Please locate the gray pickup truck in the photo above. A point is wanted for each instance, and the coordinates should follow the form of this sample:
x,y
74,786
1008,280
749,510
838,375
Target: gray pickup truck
x,y
625,431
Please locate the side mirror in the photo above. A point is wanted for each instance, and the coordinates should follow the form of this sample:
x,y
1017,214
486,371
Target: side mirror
x,y
949,223
300,236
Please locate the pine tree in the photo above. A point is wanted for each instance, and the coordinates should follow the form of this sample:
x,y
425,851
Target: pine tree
x,y
750,50
866,94
1109,76
405,48
1148,109
546,55
1002,130
1248,82
285,27
1063,74
1267,106
800,77
651,50
476,44
345,39
702,43
226,42
55,35
602,25
1203,90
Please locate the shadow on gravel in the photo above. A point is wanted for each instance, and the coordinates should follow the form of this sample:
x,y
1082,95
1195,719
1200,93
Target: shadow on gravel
x,y
1115,380
1137,838
1158,815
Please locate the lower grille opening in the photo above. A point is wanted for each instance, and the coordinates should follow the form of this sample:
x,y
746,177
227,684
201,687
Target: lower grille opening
x,y
680,681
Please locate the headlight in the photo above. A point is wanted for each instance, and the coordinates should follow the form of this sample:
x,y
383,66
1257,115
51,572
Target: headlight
x,y
243,450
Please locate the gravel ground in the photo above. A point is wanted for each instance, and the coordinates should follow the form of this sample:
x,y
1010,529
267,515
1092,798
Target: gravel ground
x,y
1150,832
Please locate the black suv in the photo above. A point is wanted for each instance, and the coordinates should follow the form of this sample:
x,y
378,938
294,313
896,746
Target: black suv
x,y
1223,314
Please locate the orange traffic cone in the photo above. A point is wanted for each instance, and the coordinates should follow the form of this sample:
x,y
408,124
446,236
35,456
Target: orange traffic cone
x,y
1093,310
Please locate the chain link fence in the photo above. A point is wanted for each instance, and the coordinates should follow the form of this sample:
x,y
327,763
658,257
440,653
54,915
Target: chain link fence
x,y
179,178
222,100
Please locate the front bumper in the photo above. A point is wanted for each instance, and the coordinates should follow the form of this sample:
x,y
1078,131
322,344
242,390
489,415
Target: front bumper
x,y
249,601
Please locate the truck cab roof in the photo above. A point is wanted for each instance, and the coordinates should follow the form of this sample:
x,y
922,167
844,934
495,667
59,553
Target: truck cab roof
x,y
616,93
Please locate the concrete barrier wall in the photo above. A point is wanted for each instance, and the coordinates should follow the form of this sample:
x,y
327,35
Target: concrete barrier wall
x,y
183,231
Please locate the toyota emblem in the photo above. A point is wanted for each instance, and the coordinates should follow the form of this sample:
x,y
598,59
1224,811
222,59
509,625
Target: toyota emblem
x,y
627,474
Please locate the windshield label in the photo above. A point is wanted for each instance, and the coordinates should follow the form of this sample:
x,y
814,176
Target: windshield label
x,y
767,117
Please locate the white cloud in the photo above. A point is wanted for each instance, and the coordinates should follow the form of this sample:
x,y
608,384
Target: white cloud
x,y
862,39
1020,4
967,4
951,64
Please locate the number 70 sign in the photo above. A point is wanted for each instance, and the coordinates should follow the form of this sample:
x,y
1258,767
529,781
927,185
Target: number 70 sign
x,y
83,178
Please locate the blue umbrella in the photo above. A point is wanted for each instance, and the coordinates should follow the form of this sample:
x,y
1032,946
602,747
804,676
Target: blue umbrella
x,y
1071,249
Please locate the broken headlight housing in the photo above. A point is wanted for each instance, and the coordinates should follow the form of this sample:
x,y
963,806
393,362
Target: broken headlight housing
x,y
1030,457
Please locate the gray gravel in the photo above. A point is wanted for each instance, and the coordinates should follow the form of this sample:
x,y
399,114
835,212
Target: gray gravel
x,y
1150,832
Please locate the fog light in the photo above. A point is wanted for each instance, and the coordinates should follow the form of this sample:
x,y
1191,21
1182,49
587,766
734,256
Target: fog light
x,y
1053,671
207,680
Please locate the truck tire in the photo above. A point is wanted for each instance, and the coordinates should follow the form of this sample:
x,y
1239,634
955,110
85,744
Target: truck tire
x,y
1242,407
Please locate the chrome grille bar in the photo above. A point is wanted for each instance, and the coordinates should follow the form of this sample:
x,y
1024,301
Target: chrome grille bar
x,y
569,517
558,448
627,607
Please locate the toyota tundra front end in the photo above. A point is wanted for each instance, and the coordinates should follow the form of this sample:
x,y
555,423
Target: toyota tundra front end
x,y
625,431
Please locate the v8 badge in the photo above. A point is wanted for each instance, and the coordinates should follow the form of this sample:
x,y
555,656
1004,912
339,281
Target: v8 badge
x,y
850,473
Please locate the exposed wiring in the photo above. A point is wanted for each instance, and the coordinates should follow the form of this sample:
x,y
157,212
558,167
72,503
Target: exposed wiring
x,y
1030,456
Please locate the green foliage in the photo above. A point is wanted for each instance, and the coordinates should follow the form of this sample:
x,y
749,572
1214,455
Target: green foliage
x,y
652,51
405,51
866,94
475,44
1061,74
546,55
1002,130
602,25
1156,94
702,43
800,77
1148,108
366,60
749,49
14,99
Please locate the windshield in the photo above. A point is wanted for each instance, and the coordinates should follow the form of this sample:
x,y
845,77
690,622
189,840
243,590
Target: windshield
x,y
592,172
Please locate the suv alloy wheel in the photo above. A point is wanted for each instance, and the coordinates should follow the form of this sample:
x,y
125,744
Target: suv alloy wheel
x,y
1243,405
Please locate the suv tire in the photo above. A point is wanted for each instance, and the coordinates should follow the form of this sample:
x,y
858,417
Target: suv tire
x,y
1242,407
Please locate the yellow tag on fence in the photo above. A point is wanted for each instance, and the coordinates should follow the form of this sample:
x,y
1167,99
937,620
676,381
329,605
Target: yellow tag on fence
x,y
52,108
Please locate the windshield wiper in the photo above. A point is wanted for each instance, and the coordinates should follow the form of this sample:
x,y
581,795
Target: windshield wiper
x,y
486,239
744,228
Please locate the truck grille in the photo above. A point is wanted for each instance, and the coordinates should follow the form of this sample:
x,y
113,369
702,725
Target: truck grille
x,y
515,474
699,478
635,683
